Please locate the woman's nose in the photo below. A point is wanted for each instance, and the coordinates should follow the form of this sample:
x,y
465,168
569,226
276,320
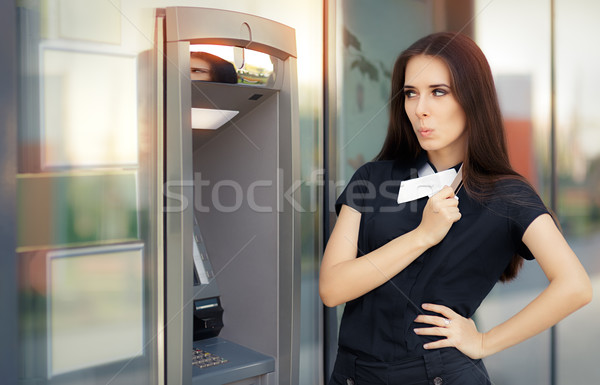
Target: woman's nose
x,y
422,109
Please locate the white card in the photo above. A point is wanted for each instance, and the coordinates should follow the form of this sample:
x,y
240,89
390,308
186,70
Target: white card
x,y
423,186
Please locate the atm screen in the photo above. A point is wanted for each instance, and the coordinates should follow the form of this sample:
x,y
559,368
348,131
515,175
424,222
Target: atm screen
x,y
199,269
202,268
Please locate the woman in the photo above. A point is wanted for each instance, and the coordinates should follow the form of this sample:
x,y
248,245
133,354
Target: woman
x,y
413,273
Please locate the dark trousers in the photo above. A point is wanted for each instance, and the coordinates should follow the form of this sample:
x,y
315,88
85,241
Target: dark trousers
x,y
446,366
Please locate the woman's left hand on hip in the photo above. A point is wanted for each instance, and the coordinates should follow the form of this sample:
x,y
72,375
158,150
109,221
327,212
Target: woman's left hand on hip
x,y
460,332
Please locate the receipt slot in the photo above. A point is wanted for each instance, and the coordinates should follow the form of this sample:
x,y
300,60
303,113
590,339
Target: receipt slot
x,y
232,261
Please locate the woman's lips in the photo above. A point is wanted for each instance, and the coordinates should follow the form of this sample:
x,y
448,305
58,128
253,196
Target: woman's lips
x,y
425,132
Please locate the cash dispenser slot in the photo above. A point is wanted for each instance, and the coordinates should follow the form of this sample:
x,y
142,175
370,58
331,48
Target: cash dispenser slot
x,y
208,318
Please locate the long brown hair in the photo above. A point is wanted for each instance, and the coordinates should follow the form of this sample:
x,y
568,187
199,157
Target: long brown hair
x,y
486,160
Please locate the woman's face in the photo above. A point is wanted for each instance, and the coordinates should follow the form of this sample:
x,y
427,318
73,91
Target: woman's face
x,y
200,69
437,119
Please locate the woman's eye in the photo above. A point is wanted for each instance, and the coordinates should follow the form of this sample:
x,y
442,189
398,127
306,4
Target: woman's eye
x,y
439,92
409,93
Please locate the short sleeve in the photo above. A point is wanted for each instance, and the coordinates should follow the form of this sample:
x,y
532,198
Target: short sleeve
x,y
358,192
524,206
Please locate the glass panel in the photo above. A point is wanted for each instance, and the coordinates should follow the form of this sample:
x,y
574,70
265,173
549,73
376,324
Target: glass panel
x,y
89,109
89,172
578,157
94,21
519,58
95,300
59,210
370,38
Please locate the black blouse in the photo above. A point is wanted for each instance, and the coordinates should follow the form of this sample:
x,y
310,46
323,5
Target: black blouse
x,y
458,272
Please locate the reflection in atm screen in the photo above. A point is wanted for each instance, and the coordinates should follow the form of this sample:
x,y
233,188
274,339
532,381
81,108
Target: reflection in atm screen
x,y
228,64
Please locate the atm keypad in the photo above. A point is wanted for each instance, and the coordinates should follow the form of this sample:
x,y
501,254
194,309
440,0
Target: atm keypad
x,y
203,359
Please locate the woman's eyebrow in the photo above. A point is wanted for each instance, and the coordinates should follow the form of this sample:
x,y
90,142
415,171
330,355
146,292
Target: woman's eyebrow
x,y
439,85
431,86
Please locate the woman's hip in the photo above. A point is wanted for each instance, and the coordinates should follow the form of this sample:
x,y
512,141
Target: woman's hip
x,y
439,367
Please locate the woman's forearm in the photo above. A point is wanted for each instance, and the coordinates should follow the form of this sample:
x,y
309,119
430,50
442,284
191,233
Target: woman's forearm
x,y
558,300
569,288
350,279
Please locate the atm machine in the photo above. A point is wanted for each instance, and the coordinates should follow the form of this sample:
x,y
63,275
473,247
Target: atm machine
x,y
232,261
